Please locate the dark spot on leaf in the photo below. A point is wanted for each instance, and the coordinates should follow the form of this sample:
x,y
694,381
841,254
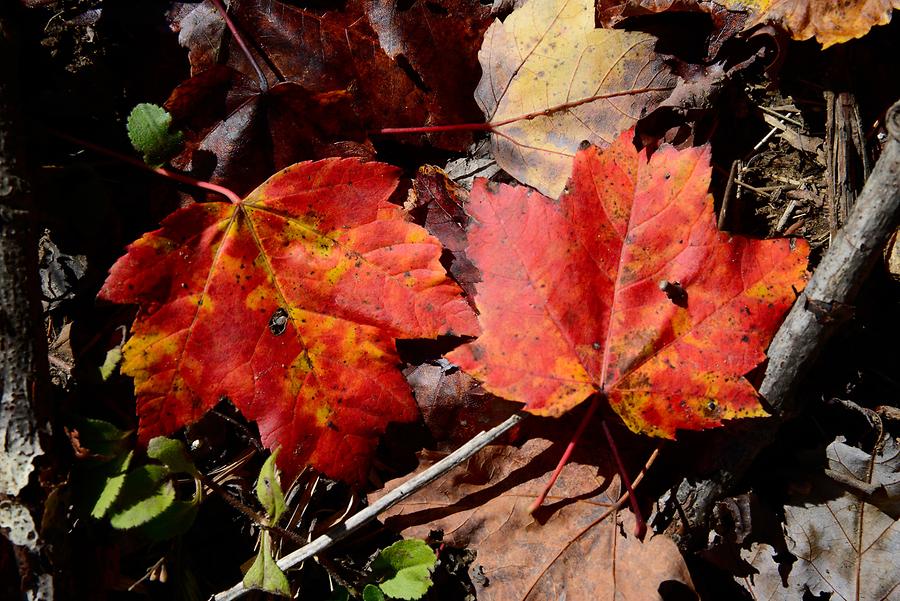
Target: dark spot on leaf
x,y
278,322
675,291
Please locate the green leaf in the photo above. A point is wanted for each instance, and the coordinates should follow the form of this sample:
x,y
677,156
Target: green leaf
x,y
172,454
145,494
111,362
268,489
372,593
117,471
265,574
101,437
339,594
150,133
408,564
174,521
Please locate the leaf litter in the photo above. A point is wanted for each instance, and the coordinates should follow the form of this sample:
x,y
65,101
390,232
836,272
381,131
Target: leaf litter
x,y
264,138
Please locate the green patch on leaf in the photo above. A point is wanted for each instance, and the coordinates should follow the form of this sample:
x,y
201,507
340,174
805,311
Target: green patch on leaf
x,y
115,473
172,454
372,593
149,129
100,439
146,494
407,565
265,574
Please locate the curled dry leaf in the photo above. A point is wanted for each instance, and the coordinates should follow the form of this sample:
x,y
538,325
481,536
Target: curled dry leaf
x,y
454,406
288,304
551,80
624,286
575,547
829,22
846,547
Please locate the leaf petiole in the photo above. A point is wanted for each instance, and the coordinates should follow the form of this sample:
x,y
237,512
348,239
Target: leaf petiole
x,y
236,34
167,173
595,402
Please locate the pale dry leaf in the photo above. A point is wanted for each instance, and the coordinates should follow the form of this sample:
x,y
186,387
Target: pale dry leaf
x,y
845,547
551,80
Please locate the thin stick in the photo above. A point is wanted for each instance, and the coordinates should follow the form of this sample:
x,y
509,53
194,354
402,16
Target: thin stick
x,y
566,454
167,173
726,198
525,117
263,82
341,531
775,113
257,518
640,526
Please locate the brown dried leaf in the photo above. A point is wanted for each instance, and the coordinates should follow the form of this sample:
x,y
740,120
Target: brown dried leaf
x,y
566,549
454,406
846,547
829,22
442,202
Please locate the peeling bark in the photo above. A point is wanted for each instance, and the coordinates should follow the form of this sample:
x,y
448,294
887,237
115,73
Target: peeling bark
x,y
22,352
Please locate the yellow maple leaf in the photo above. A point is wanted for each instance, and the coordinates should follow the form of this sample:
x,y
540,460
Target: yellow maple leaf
x,y
551,80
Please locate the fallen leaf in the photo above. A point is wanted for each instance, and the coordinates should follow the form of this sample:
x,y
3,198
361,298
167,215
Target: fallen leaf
x,y
288,304
230,117
572,548
829,22
726,22
453,404
550,80
845,547
478,162
329,66
625,287
439,40
443,203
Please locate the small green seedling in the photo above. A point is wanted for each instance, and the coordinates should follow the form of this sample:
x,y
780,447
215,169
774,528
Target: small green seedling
x,y
264,574
403,571
150,132
136,497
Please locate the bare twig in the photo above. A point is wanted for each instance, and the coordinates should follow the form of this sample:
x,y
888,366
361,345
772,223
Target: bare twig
x,y
344,529
726,197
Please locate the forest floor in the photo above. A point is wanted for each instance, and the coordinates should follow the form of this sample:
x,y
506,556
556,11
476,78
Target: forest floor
x,y
87,63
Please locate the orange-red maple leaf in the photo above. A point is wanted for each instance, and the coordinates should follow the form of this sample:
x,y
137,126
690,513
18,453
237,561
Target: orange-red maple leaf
x,y
287,303
624,286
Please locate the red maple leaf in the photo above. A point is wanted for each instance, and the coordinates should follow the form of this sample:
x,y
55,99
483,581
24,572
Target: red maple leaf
x,y
625,287
287,303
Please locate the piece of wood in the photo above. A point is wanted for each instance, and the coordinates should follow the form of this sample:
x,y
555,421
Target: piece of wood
x,y
817,314
846,158
23,353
